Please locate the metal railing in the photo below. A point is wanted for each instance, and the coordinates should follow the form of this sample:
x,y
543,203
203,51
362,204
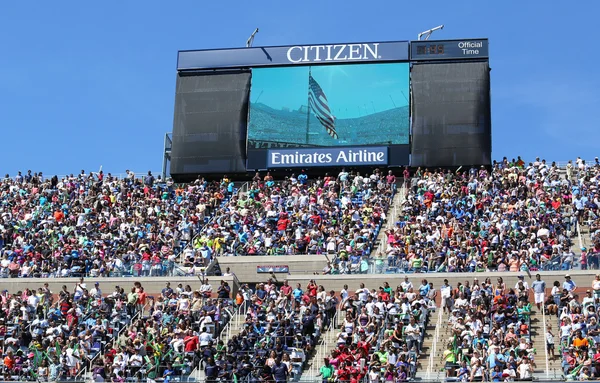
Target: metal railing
x,y
327,337
433,351
545,343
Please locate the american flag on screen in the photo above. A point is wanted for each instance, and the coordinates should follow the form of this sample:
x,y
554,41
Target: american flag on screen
x,y
320,106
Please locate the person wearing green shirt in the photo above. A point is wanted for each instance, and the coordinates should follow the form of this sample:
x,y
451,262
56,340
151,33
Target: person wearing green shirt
x,y
132,298
326,371
382,356
387,288
417,262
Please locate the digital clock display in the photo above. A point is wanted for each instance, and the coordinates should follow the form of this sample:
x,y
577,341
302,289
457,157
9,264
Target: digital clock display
x,y
431,49
449,49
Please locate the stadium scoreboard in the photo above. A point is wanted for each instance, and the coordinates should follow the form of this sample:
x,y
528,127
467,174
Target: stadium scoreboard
x,y
393,103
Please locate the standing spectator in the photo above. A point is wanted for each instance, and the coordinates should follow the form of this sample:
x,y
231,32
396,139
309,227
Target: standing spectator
x,y
569,284
539,290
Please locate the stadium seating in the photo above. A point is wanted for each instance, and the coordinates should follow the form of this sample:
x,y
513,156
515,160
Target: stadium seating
x,y
332,215
489,333
98,225
122,335
578,334
510,218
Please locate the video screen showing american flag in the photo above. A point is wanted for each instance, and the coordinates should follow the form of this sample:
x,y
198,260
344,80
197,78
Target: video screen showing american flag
x,y
329,105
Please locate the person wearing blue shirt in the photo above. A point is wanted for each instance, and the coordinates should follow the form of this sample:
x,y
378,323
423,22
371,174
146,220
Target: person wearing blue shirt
x,y
496,374
302,177
297,293
568,284
424,288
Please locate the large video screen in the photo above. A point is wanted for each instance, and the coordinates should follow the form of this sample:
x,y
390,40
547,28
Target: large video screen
x,y
331,106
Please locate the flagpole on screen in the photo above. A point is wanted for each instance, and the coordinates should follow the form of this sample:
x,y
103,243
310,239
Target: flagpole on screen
x,y
308,104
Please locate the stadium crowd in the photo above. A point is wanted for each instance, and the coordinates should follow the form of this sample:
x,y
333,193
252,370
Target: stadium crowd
x,y
578,332
338,215
98,225
282,327
110,336
513,217
381,334
489,328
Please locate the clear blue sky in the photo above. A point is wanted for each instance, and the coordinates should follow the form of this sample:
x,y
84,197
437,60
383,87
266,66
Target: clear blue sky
x,y
84,84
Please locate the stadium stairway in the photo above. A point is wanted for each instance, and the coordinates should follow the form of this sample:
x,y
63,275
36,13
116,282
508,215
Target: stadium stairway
x,y
392,216
436,372
426,364
234,327
327,342
538,335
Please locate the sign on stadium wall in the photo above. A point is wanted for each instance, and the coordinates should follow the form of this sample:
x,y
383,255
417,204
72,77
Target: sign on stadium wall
x,y
278,269
353,156
293,55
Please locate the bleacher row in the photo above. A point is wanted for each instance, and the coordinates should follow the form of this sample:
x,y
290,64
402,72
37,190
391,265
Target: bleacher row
x,y
99,226
578,334
120,336
331,215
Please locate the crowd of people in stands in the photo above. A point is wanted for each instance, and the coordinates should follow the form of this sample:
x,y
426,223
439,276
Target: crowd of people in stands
x,y
338,215
85,333
94,224
578,332
512,217
489,330
381,333
282,326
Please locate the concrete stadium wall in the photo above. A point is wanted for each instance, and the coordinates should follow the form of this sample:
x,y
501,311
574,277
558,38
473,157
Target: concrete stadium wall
x,y
583,279
152,285
244,267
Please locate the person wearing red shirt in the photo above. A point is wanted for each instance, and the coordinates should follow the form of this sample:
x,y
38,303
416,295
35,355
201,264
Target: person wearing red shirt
x,y
282,223
286,289
191,342
316,219
141,299
312,288
9,364
384,295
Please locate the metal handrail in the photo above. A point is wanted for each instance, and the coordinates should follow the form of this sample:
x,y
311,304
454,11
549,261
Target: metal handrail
x,y
545,343
434,344
327,337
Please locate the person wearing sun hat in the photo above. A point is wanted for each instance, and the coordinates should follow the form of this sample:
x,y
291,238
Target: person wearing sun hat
x,y
569,284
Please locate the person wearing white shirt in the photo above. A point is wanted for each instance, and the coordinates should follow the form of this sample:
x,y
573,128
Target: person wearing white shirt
x,y
446,294
95,292
135,362
525,284
363,293
206,289
406,284
524,369
33,301
204,337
